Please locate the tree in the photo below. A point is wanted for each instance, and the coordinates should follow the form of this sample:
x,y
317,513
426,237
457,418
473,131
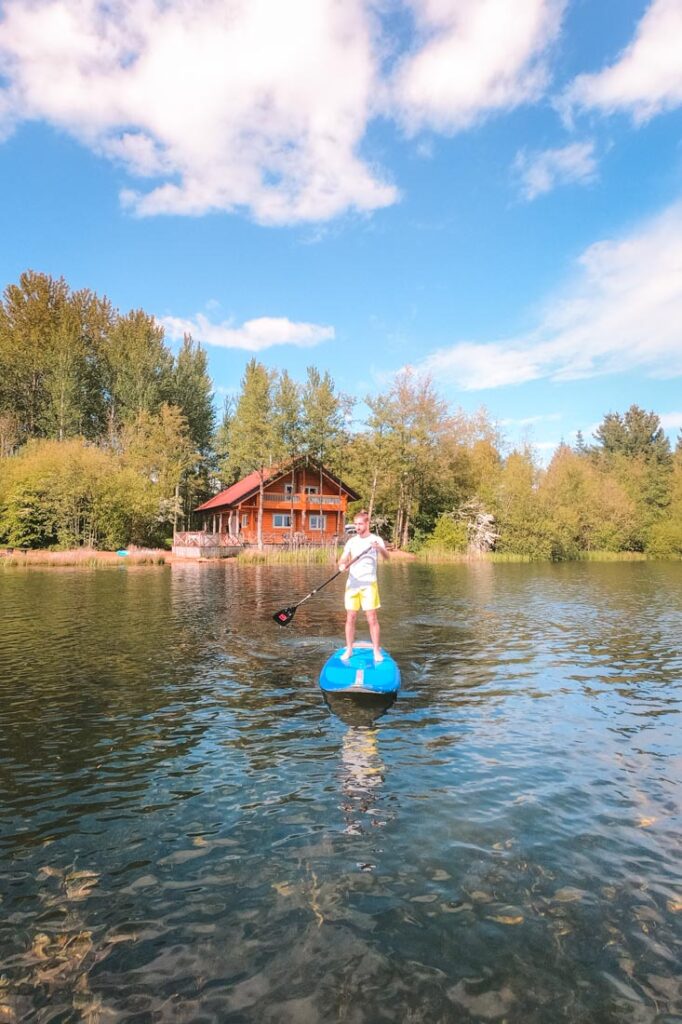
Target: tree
x,y
635,449
580,446
634,434
255,444
584,509
519,513
288,425
50,358
192,392
33,314
222,444
160,448
323,434
411,420
139,369
71,493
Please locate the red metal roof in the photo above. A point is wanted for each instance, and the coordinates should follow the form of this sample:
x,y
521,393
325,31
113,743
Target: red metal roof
x,y
237,491
251,483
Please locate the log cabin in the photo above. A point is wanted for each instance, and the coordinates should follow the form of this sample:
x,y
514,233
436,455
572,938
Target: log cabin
x,y
302,504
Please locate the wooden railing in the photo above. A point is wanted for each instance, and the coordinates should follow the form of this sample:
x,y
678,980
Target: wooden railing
x,y
204,539
301,500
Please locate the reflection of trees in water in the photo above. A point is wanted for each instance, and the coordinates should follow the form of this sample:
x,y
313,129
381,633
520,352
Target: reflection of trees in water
x,y
102,685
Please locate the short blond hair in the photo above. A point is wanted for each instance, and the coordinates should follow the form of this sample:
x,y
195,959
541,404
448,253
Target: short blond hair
x,y
362,514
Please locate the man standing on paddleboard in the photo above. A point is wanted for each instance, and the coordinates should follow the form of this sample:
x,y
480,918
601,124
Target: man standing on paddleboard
x,y
361,588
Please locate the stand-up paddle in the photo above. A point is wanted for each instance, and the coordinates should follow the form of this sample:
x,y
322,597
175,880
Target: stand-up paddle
x,y
284,616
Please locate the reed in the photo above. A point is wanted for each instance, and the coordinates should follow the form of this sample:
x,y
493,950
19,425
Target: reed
x,y
443,555
88,558
511,556
612,556
323,555
436,555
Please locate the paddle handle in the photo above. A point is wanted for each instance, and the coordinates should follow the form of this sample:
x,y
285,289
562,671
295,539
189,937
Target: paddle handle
x,y
338,573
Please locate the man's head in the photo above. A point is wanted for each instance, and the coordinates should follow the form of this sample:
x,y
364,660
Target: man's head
x,y
361,521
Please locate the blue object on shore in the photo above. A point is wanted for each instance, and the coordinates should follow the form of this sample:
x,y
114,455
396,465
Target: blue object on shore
x,y
360,674
122,552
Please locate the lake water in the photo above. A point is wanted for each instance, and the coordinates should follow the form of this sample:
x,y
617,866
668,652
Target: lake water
x,y
189,834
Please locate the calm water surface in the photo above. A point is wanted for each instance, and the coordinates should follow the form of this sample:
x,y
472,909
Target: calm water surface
x,y
188,833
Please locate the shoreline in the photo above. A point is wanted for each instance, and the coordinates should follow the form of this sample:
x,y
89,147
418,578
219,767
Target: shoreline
x,y
90,558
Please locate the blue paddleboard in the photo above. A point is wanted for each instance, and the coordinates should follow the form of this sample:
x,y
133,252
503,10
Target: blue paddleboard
x,y
359,674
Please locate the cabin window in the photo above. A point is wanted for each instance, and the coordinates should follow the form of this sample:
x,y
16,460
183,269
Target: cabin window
x,y
311,490
281,520
318,522
288,489
245,519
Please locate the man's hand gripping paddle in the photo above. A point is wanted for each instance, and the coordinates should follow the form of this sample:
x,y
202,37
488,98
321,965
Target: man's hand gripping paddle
x,y
284,616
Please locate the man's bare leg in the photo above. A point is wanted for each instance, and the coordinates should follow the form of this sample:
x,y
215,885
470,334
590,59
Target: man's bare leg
x,y
373,623
350,635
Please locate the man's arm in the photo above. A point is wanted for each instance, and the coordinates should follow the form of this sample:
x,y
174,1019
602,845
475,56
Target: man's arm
x,y
345,557
381,548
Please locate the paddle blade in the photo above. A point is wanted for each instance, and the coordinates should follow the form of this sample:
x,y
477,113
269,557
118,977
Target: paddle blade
x,y
284,616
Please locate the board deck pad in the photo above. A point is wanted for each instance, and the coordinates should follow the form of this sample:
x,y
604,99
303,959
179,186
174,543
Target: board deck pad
x,y
359,674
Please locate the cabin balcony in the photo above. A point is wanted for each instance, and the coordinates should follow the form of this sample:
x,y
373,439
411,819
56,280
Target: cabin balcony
x,y
304,502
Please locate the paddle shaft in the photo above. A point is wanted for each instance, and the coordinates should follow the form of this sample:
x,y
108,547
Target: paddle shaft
x,y
338,573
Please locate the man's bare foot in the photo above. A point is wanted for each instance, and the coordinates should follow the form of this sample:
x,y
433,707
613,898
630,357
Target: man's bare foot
x,y
346,656
378,657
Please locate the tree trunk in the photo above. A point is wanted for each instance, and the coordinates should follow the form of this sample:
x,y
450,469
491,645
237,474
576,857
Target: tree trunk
x,y
259,528
175,507
372,493
406,530
293,488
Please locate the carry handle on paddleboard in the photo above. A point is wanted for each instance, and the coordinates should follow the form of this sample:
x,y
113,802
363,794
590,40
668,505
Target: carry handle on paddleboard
x,y
284,616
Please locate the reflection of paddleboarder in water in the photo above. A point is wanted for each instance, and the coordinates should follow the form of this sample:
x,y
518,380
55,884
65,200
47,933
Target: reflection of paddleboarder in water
x,y
362,777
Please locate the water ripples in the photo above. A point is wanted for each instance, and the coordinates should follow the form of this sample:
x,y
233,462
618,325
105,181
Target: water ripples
x,y
189,833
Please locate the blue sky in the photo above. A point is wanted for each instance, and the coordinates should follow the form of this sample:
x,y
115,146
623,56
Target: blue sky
x,y
488,191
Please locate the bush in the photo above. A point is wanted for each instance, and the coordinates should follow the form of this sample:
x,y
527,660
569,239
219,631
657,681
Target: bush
x,y
665,539
448,534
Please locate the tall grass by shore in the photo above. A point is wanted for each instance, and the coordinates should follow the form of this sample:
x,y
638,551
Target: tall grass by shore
x,y
324,555
434,556
88,558
437,556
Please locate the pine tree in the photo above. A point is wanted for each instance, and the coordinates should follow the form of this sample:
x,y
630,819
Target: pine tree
x,y
192,392
289,426
324,420
254,442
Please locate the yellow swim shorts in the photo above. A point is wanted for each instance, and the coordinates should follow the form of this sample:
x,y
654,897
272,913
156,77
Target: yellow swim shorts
x,y
366,597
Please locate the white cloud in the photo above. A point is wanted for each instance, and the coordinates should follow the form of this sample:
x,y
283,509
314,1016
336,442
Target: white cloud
x,y
476,56
671,420
260,105
647,77
230,103
530,421
252,336
622,312
540,172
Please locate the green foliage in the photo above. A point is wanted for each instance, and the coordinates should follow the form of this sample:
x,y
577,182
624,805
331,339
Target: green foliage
x,y
69,494
323,418
108,439
519,509
633,434
449,534
192,393
254,444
